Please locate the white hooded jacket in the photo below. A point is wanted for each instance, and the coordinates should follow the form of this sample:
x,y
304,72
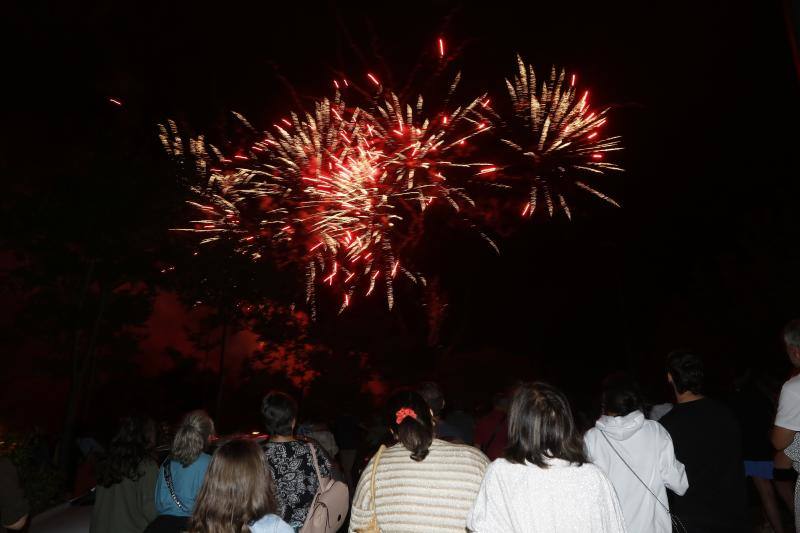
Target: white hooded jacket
x,y
647,448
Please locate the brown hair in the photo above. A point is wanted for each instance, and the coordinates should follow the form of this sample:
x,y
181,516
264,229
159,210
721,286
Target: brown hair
x,y
415,432
541,427
237,490
192,437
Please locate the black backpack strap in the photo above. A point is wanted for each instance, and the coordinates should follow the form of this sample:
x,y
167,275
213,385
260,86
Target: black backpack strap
x,y
171,487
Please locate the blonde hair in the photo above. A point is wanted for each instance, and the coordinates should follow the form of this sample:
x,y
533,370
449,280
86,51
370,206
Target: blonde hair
x,y
191,437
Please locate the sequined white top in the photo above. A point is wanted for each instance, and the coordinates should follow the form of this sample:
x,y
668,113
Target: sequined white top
x,y
563,498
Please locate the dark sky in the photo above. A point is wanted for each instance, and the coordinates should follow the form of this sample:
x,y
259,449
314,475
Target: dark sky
x,y
703,254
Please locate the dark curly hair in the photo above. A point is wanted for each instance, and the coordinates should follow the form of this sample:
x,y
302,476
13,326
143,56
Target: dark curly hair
x,y
130,446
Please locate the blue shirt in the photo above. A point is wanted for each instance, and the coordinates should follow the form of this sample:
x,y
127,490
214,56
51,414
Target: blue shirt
x,y
186,480
271,524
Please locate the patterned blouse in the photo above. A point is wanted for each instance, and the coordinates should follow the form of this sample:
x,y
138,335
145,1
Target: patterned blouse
x,y
295,480
793,453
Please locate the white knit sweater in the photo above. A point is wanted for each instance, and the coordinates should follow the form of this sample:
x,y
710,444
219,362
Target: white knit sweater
x,y
563,498
434,495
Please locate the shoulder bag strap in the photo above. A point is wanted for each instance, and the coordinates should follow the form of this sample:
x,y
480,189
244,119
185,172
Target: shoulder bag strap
x,y
676,523
171,487
313,504
316,464
372,481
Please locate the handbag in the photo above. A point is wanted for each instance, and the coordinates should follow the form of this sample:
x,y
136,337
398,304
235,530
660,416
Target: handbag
x,y
373,526
330,504
677,524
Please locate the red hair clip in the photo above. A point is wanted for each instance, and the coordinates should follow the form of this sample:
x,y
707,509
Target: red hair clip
x,y
404,413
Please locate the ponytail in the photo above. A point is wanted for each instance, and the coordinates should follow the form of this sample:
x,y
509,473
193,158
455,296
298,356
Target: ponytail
x,y
191,437
410,419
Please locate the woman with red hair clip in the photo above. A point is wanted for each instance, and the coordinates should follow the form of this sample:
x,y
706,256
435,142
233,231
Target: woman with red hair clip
x,y
420,483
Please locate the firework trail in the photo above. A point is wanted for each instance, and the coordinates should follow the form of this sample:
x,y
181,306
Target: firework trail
x,y
555,140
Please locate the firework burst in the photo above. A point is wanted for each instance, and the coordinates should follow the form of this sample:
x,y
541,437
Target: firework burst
x,y
419,149
341,190
555,140
342,208
367,206
227,192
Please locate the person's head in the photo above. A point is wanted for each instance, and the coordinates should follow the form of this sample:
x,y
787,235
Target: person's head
x,y
686,372
411,422
237,490
131,444
433,396
280,413
621,395
501,401
541,427
791,339
191,437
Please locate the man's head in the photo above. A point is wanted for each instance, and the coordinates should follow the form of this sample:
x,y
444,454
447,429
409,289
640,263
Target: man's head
x,y
686,373
280,413
791,339
433,396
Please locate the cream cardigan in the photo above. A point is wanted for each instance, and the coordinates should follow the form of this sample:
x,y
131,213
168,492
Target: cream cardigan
x,y
434,495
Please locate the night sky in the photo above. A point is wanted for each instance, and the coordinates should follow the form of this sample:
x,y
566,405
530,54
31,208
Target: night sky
x,y
703,255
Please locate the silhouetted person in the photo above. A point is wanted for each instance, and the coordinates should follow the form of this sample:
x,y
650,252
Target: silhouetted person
x,y
461,419
491,431
787,419
755,412
14,507
347,433
126,477
707,441
434,396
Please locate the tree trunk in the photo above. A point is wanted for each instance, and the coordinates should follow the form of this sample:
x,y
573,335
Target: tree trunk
x,y
91,351
74,388
81,368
